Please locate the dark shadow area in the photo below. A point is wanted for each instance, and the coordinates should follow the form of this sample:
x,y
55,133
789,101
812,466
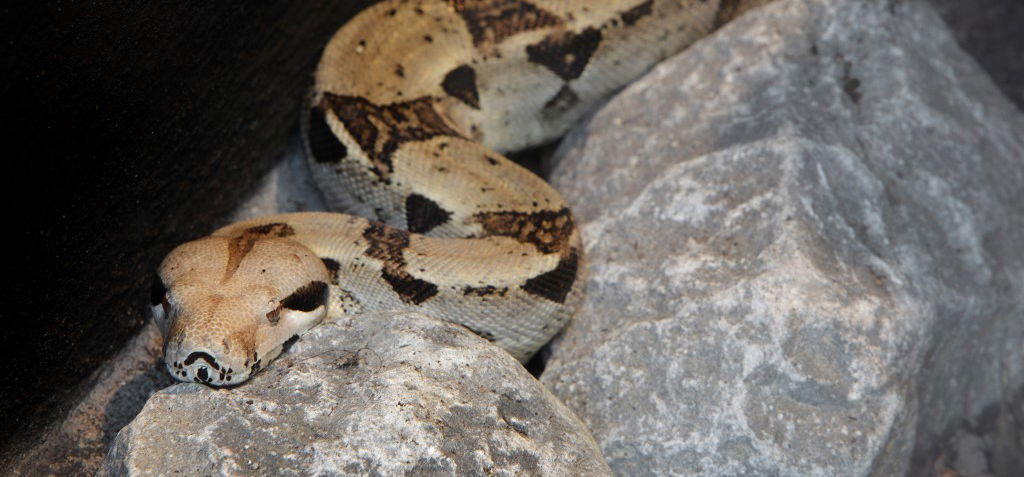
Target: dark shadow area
x,y
535,157
991,443
991,31
539,362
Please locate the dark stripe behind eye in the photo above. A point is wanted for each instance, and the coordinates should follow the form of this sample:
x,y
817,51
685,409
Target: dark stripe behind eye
x,y
157,290
307,298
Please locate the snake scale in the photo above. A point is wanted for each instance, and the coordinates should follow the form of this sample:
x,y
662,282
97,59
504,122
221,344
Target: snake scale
x,y
413,105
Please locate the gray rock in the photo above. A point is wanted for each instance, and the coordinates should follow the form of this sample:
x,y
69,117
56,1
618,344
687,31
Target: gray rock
x,y
376,395
805,240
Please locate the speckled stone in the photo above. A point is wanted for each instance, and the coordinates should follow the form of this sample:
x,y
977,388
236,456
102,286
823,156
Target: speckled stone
x,y
805,241
380,394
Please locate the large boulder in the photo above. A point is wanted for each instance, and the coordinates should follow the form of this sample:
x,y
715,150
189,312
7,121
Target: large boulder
x,y
804,237
378,394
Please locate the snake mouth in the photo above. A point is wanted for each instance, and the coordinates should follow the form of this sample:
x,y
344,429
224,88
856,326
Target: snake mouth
x,y
201,367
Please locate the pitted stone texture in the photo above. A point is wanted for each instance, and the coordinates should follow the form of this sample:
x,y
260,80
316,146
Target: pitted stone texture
x,y
380,394
805,244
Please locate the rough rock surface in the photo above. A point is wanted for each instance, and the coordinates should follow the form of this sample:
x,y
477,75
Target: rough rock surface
x,y
380,394
804,238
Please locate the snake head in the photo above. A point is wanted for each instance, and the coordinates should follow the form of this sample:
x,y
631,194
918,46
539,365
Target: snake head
x,y
226,306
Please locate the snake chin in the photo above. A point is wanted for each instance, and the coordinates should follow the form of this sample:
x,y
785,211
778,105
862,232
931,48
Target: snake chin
x,y
233,361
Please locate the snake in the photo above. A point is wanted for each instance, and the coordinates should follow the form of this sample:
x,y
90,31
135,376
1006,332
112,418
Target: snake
x,y
415,105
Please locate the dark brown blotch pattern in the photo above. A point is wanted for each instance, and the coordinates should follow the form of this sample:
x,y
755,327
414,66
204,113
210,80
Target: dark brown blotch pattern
x,y
556,284
387,244
483,291
333,267
423,214
241,245
548,230
460,83
631,16
566,54
381,129
491,21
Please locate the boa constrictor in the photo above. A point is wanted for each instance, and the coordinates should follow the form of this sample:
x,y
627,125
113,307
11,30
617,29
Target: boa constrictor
x,y
413,102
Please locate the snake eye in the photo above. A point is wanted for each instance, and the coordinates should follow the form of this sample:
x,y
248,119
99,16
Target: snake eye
x,y
158,301
157,291
307,298
274,316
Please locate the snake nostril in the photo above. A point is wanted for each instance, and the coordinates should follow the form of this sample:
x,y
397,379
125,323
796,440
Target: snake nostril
x,y
202,373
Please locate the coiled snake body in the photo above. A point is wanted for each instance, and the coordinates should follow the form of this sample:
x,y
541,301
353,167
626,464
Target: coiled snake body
x,y
413,103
